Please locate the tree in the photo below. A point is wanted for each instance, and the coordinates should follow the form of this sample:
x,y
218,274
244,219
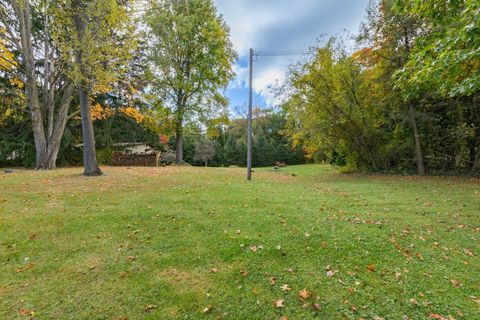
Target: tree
x,y
391,32
445,60
100,37
191,59
48,92
204,151
331,109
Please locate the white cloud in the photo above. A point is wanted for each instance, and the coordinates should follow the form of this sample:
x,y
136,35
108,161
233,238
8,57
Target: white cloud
x,y
282,25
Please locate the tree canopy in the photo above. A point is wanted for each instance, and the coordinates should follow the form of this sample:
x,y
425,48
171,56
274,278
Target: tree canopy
x,y
191,59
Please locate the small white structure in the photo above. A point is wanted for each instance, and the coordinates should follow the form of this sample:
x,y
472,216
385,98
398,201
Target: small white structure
x,y
131,147
136,147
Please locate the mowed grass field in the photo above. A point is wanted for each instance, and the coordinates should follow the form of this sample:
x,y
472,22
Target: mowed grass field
x,y
203,243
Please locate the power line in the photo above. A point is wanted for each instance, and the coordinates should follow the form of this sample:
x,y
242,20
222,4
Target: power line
x,y
278,53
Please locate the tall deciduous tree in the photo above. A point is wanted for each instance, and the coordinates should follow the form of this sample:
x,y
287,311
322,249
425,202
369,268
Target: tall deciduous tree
x,y
391,32
191,60
99,36
48,91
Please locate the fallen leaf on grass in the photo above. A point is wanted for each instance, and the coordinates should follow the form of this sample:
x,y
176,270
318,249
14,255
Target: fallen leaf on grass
x,y
455,283
150,307
131,258
305,294
371,267
316,306
330,273
207,309
25,312
273,280
278,303
468,252
28,266
285,287
214,270
244,272
436,316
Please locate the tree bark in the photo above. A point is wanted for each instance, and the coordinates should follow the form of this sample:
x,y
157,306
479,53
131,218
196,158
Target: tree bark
x,y
179,133
476,162
89,154
418,145
179,147
47,129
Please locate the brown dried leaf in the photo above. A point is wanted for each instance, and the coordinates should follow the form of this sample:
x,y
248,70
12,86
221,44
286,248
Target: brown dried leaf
x,y
278,303
207,309
305,294
455,283
285,287
150,307
30,265
25,312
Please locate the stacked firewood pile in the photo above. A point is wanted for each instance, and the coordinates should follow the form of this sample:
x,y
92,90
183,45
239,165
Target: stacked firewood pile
x,y
122,159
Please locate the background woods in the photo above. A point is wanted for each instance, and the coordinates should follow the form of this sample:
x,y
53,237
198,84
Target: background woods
x,y
406,99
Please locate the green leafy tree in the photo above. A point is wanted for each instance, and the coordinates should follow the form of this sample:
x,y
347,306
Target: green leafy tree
x,y
445,60
191,61
99,34
331,108
390,33
27,30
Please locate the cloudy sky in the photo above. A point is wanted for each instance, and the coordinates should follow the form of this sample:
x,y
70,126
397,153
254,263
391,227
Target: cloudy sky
x,y
266,25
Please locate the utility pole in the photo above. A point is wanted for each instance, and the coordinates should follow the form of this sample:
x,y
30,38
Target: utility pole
x,y
250,93
249,120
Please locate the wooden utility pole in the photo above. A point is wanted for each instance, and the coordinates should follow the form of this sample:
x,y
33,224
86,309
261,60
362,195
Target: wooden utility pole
x,y
249,120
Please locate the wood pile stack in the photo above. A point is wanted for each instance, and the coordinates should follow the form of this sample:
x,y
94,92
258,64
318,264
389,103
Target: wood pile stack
x,y
121,159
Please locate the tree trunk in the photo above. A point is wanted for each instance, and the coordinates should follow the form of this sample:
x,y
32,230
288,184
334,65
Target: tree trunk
x,y
179,132
476,162
179,147
47,130
418,145
89,153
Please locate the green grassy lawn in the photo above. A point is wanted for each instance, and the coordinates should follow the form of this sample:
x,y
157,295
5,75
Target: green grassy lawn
x,y
202,243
